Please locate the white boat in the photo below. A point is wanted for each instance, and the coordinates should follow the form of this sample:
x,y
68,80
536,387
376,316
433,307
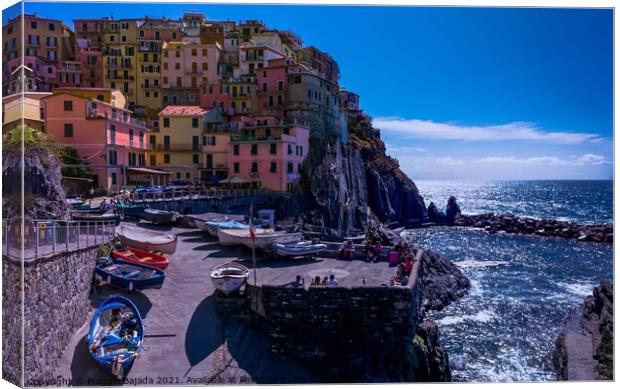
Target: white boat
x,y
147,239
264,238
229,277
301,249
205,221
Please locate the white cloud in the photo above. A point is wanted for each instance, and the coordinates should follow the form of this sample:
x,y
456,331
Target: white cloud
x,y
594,159
516,131
586,159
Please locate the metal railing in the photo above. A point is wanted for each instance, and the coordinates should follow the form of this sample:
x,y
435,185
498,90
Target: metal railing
x,y
189,194
45,237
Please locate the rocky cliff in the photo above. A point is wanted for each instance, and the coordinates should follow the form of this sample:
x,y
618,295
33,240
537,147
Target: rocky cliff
x,y
346,185
584,348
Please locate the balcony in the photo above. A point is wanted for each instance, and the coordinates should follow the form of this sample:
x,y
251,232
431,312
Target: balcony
x,y
250,138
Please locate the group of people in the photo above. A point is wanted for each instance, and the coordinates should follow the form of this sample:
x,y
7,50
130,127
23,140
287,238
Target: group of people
x,y
316,281
405,265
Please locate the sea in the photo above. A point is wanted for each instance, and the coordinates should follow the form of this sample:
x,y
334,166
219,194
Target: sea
x,y
522,287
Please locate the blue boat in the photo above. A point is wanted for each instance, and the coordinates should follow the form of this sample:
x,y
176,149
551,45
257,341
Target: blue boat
x,y
131,210
115,335
129,275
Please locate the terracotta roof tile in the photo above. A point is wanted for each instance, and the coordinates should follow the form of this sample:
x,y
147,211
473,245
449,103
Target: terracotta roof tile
x,y
182,110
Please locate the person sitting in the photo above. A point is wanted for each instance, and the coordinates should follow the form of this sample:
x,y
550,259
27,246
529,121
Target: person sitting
x,y
368,250
408,265
376,251
324,281
298,283
350,250
332,281
316,281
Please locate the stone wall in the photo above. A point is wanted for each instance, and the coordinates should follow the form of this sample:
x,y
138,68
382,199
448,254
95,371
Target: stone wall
x,y
12,321
356,334
57,290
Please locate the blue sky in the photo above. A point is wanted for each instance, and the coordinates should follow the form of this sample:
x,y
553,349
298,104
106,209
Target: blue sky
x,y
479,93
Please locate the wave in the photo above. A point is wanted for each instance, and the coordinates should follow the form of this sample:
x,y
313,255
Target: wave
x,y
581,289
472,263
480,317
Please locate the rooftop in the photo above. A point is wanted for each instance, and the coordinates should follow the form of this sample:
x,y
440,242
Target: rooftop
x,y
183,110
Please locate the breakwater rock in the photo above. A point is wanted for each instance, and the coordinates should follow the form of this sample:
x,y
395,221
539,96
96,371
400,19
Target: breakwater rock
x,y
601,233
442,282
584,348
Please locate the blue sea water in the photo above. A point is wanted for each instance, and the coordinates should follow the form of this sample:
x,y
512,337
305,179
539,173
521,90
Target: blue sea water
x,y
522,286
586,202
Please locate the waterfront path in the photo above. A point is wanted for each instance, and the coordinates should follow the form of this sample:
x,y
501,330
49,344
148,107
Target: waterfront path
x,y
187,341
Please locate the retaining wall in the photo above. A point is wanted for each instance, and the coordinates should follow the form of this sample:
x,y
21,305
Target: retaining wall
x,y
57,290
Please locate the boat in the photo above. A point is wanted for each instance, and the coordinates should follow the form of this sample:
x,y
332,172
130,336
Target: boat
x,y
131,210
146,239
136,255
157,216
301,249
129,275
95,217
264,238
74,201
115,335
229,277
213,226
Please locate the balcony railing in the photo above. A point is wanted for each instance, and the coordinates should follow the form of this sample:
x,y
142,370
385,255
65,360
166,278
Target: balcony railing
x,y
250,138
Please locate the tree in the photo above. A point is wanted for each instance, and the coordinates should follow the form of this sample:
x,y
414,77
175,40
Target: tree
x,y
70,156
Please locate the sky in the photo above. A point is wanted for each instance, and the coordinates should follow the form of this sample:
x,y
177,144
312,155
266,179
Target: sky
x,y
458,93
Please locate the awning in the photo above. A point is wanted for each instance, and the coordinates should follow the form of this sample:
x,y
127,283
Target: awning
x,y
142,170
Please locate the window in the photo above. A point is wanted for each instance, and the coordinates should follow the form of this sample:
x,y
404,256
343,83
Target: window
x,y
174,35
205,66
236,167
68,130
9,30
123,38
166,54
272,148
264,74
141,33
49,70
166,122
178,175
187,175
273,167
113,178
194,52
279,99
195,158
113,134
205,53
280,85
165,80
236,149
100,97
254,149
177,54
112,157
165,65
33,24
166,158
290,150
52,27
194,122
68,105
254,167
152,160
177,66
297,80
289,167
271,101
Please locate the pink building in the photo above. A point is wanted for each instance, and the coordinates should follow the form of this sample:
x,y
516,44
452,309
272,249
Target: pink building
x,y
103,132
214,95
271,91
270,155
189,64
91,63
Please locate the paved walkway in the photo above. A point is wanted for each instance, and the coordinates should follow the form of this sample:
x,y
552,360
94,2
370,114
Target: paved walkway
x,y
187,342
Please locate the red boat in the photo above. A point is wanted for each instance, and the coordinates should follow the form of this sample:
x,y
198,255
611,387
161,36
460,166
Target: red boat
x,y
143,257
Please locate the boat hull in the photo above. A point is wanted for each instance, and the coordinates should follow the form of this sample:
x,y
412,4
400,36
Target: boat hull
x,y
264,239
144,277
229,277
167,246
142,257
301,250
97,333
163,218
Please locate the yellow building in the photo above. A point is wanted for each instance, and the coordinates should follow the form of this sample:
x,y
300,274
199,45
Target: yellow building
x,y
107,95
180,135
31,103
120,65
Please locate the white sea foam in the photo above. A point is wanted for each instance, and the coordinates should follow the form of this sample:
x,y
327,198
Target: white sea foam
x,y
472,263
480,317
581,289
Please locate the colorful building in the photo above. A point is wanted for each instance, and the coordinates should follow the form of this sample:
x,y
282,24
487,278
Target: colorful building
x,y
270,156
26,106
179,141
96,123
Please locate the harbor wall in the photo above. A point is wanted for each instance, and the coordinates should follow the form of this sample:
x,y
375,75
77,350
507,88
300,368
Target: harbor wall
x,y
57,304
347,330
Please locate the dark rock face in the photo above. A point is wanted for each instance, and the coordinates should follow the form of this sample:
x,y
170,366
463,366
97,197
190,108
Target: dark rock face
x,y
452,210
517,225
434,215
348,185
427,360
584,347
442,281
